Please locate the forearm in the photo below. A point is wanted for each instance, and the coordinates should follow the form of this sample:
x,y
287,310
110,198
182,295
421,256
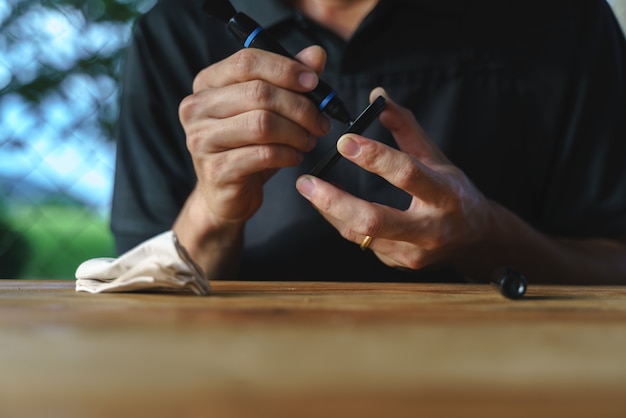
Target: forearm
x,y
215,247
544,259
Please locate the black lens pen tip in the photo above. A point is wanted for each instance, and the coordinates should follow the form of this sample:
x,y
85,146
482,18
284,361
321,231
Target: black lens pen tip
x,y
511,283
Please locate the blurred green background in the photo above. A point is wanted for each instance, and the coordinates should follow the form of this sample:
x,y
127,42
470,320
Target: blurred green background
x,y
60,63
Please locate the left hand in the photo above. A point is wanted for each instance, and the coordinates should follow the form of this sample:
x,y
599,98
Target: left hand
x,y
447,219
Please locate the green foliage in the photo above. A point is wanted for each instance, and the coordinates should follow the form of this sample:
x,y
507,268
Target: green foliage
x,y
54,239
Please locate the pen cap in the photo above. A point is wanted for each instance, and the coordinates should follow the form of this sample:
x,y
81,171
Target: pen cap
x,y
252,35
512,283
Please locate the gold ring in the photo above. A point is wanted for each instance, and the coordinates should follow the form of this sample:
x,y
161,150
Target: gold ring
x,y
366,242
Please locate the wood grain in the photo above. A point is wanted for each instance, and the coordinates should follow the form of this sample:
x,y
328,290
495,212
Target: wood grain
x,y
306,349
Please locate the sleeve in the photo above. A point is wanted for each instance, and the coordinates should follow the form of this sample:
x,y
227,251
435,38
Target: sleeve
x,y
154,172
586,193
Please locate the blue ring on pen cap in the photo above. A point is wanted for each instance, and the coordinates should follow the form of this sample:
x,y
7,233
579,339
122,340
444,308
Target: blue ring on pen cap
x,y
327,99
251,37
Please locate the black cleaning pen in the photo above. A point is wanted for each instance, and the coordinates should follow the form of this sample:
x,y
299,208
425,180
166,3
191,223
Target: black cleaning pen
x,y
252,35
360,124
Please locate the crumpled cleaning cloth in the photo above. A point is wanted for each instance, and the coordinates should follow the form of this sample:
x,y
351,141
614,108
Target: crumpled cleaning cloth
x,y
156,264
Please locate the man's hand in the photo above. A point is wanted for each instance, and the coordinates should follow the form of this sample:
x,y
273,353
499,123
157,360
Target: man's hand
x,y
247,118
447,213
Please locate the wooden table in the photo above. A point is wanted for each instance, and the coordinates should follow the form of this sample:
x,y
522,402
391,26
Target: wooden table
x,y
283,349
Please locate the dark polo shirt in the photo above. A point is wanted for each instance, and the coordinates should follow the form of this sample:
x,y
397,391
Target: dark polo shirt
x,y
528,98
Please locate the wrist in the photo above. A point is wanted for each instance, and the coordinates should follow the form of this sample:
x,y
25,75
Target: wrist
x,y
494,248
214,245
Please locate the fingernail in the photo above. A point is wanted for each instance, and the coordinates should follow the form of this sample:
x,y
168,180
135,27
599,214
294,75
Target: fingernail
x,y
305,186
308,80
348,146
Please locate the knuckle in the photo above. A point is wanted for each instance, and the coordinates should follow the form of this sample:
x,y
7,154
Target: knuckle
x,y
264,155
301,108
194,141
369,224
408,176
258,92
187,107
213,167
414,260
259,124
200,78
348,234
325,204
244,62
437,239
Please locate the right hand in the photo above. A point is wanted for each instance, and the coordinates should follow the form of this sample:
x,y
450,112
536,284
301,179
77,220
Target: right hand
x,y
245,119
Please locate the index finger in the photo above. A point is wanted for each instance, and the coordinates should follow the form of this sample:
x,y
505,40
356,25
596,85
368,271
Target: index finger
x,y
397,167
255,64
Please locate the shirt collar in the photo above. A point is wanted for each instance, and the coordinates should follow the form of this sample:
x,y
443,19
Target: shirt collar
x,y
444,6
270,12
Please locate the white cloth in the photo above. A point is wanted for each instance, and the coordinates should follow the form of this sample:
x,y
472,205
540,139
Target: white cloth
x,y
158,263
